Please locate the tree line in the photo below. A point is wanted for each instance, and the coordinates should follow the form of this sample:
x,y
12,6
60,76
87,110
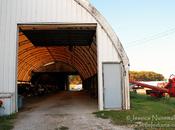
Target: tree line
x,y
145,76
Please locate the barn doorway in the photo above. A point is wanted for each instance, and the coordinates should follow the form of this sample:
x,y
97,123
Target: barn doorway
x,y
75,83
51,56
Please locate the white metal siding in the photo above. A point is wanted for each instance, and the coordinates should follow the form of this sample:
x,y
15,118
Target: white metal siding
x,y
8,47
8,103
61,11
40,11
13,12
107,51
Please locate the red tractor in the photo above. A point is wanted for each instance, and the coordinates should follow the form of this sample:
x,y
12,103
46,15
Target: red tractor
x,y
168,89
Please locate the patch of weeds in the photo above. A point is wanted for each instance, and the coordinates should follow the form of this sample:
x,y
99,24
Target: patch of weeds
x,y
101,115
145,111
63,128
6,122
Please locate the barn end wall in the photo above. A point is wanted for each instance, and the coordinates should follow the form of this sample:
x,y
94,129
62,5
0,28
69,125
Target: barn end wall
x,y
17,12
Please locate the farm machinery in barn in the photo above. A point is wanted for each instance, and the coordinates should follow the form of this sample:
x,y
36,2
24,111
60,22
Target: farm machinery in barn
x,y
167,90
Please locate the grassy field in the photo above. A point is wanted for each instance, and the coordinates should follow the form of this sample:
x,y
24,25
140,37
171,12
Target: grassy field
x,y
146,113
6,122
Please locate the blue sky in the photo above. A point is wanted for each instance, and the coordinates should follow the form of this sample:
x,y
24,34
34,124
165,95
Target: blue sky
x,y
146,29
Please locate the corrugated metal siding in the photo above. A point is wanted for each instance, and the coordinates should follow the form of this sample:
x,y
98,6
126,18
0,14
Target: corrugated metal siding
x,y
39,11
8,47
108,52
67,11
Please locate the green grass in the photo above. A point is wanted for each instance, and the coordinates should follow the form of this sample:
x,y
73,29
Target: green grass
x,y
63,128
146,113
6,122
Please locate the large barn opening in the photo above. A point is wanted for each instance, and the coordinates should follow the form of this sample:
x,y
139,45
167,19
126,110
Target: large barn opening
x,y
56,58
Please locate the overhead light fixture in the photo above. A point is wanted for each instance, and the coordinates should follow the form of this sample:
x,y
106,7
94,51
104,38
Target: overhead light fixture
x,y
50,63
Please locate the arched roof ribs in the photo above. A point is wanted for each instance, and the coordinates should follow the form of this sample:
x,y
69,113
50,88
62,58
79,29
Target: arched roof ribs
x,y
33,58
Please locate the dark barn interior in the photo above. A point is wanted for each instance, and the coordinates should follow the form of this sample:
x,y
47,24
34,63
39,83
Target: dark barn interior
x,y
48,54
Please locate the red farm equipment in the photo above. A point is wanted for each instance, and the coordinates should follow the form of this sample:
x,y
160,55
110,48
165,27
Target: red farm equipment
x,y
168,89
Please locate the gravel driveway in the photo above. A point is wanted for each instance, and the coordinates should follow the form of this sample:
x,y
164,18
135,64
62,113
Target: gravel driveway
x,y
62,111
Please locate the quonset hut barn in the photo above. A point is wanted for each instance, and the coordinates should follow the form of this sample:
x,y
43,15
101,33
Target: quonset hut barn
x,y
40,35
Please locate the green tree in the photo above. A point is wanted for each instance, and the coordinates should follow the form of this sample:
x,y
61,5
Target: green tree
x,y
75,79
145,76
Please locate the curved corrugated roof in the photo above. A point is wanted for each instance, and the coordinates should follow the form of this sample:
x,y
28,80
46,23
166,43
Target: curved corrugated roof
x,y
107,28
33,58
83,58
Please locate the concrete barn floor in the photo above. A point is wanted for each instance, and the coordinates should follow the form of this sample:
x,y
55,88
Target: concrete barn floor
x,y
71,110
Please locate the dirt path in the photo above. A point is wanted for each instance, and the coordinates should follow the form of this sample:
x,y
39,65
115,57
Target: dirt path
x,y
63,111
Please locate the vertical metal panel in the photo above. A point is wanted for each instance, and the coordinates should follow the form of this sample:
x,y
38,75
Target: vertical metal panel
x,y
9,48
5,42
1,44
126,91
112,86
12,47
108,51
99,63
8,100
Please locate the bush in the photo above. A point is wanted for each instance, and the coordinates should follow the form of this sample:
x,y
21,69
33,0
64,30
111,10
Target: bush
x,y
145,76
